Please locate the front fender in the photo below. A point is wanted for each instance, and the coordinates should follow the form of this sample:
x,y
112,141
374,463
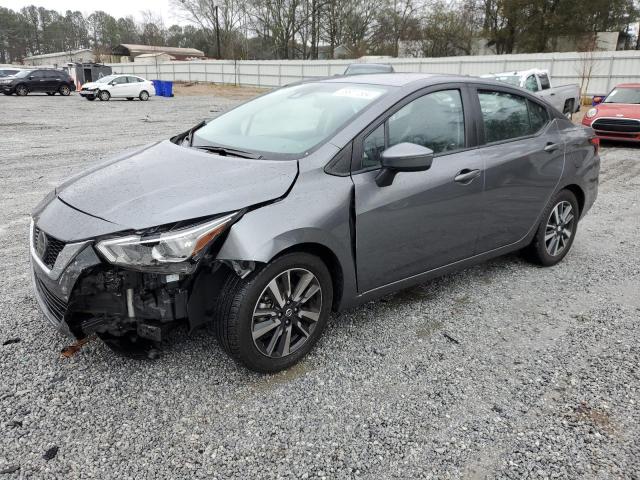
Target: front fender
x,y
316,211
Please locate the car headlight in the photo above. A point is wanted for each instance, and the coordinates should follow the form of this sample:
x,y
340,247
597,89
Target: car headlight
x,y
592,112
174,251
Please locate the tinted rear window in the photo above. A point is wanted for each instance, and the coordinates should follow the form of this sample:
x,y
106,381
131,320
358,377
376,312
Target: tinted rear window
x,y
507,116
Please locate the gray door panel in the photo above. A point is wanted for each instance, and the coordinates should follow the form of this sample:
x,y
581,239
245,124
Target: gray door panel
x,y
520,177
422,221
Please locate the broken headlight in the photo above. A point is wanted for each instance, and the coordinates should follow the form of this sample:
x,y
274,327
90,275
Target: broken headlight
x,y
173,251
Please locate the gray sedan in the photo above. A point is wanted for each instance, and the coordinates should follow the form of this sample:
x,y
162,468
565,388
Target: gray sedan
x,y
315,197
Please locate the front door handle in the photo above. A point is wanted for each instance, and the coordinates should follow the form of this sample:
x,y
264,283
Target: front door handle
x,y
551,147
466,176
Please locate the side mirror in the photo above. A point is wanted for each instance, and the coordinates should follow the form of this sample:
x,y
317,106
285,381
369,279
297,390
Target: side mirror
x,y
403,157
597,100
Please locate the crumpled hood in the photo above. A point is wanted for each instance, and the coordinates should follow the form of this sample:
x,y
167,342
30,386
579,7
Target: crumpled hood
x,y
91,85
615,109
165,183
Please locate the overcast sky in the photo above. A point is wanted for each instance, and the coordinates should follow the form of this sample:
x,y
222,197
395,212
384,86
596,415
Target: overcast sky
x,y
117,8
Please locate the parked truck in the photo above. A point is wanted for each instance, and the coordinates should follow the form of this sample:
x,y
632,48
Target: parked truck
x,y
566,98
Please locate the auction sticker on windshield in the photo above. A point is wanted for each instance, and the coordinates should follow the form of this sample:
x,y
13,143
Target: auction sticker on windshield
x,y
363,93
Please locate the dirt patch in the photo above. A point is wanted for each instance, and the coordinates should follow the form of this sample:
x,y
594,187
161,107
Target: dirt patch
x,y
227,91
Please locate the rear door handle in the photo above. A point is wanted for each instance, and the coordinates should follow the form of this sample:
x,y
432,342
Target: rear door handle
x,y
466,176
551,147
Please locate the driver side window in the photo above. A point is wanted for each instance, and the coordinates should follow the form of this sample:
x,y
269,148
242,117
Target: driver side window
x,y
531,83
435,121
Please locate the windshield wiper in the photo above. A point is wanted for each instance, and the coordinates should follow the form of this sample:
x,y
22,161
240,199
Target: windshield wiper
x,y
224,151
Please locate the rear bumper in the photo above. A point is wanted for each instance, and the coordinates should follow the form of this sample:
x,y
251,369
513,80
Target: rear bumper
x,y
618,137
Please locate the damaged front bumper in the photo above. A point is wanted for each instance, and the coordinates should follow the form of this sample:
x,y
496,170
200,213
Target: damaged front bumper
x,y
81,295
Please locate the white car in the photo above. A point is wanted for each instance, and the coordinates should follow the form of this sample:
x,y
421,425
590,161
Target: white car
x,y
118,86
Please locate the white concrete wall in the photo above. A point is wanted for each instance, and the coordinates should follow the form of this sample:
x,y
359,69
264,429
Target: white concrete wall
x,y
608,68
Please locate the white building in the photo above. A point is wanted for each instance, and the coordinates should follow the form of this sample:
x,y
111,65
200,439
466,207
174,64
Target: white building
x,y
60,59
153,58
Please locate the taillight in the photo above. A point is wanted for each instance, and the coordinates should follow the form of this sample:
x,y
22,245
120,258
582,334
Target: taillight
x,y
595,141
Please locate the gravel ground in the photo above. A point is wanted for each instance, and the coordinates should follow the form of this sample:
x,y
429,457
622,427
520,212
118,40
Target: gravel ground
x,y
504,370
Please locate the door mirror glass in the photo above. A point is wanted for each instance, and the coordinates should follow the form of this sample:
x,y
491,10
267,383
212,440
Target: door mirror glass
x,y
597,100
403,157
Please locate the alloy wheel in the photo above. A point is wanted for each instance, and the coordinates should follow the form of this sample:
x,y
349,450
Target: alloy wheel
x,y
64,90
286,313
559,228
144,96
21,91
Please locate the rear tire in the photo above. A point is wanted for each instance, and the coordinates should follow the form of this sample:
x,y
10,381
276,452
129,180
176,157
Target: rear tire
x,y
91,99
268,334
144,95
569,108
104,96
64,90
22,91
556,232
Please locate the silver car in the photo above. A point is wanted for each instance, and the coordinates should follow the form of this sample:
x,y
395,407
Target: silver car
x,y
315,197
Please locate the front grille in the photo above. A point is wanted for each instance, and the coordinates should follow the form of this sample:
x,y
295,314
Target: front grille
x,y
52,250
56,306
621,125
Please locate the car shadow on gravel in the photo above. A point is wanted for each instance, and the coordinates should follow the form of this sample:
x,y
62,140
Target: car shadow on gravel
x,y
345,332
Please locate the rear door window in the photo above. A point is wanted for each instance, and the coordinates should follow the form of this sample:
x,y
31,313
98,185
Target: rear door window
x,y
538,116
544,81
508,116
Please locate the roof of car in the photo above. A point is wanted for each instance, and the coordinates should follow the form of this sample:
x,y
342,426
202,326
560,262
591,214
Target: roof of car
x,y
390,79
628,85
403,79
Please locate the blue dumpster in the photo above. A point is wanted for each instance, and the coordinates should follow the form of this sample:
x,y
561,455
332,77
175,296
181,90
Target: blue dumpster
x,y
157,84
163,88
167,89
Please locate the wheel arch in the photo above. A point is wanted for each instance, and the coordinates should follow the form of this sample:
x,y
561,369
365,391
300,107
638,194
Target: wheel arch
x,y
329,258
579,193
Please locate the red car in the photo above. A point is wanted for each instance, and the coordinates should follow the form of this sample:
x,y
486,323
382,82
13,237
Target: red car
x,y
617,116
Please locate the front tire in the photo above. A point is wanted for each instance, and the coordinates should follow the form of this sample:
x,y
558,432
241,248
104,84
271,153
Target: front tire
x,y
104,96
144,95
556,231
273,318
22,91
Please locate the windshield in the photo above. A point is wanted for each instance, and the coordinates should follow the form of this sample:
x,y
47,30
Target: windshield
x,y
289,121
510,79
623,95
107,79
